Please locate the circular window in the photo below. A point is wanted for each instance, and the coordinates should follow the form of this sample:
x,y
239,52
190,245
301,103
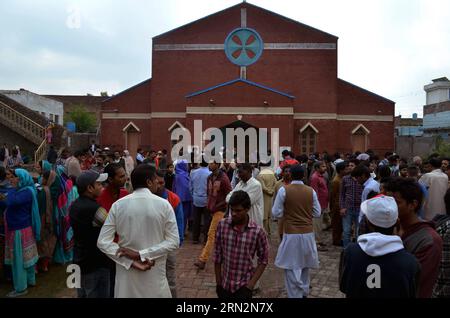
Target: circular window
x,y
244,46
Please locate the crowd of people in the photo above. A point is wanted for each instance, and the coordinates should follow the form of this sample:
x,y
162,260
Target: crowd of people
x,y
122,219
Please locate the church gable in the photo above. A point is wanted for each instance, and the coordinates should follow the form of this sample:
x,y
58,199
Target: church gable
x,y
135,99
272,26
358,101
204,30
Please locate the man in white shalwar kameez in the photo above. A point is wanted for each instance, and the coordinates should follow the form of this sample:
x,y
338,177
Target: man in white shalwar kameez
x,y
297,253
253,188
147,231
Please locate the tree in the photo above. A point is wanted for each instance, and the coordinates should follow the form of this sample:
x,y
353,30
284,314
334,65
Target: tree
x,y
84,121
104,94
442,147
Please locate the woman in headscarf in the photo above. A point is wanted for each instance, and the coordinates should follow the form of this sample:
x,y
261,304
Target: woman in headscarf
x,y
22,230
67,195
181,188
47,196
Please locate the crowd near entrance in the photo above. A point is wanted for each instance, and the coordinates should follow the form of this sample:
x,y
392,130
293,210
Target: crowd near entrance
x,y
121,218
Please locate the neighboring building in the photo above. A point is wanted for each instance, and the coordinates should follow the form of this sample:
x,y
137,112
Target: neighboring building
x,y
436,113
249,67
408,126
19,125
51,109
93,104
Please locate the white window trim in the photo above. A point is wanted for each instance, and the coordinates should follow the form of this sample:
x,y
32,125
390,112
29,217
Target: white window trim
x,y
309,125
174,125
359,127
131,124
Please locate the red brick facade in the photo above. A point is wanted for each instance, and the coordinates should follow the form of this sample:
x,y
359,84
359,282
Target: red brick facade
x,y
287,88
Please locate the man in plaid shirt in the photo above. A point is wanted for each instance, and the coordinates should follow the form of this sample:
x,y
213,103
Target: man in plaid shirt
x,y
350,202
237,241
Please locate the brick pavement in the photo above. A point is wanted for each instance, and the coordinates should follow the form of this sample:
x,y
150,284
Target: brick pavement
x,y
193,283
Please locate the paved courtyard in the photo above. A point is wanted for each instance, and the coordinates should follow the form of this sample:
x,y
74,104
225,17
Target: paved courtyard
x,y
192,283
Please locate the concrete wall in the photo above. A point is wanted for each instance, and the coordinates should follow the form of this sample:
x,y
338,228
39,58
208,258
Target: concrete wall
x,y
439,95
408,146
12,138
436,120
45,106
78,141
409,131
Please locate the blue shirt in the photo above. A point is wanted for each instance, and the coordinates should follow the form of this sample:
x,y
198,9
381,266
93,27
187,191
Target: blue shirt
x,y
198,186
421,212
177,206
19,205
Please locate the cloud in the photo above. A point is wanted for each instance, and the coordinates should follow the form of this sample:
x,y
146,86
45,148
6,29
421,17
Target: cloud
x,y
392,48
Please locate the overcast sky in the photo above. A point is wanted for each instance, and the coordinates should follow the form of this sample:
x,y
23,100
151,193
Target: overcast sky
x,y
390,47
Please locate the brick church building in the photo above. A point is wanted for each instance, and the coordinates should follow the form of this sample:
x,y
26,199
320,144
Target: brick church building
x,y
249,67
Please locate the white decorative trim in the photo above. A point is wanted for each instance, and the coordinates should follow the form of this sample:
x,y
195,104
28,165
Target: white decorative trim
x,y
240,110
309,125
143,115
174,125
300,46
130,124
267,46
365,118
126,116
317,116
243,18
359,127
168,115
325,116
243,72
188,47
248,111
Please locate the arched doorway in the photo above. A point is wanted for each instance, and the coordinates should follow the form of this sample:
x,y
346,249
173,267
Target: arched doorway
x,y
132,138
249,155
360,138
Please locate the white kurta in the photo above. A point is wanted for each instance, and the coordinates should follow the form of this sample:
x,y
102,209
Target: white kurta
x,y
296,251
254,190
437,184
146,223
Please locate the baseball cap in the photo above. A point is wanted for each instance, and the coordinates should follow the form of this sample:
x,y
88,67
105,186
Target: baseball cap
x,y
89,177
338,161
381,211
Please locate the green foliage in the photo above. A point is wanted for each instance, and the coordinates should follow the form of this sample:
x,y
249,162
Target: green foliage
x,y
442,147
84,121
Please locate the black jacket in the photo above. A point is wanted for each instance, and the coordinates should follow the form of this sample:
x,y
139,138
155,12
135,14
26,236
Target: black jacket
x,y
399,274
86,253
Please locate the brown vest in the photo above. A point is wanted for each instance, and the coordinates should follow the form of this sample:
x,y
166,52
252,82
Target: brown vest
x,y
298,216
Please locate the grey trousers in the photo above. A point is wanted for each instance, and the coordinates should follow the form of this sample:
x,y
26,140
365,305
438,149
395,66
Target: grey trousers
x,y
95,284
171,274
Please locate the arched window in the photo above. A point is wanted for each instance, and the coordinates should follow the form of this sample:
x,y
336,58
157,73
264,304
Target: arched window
x,y
174,126
308,139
